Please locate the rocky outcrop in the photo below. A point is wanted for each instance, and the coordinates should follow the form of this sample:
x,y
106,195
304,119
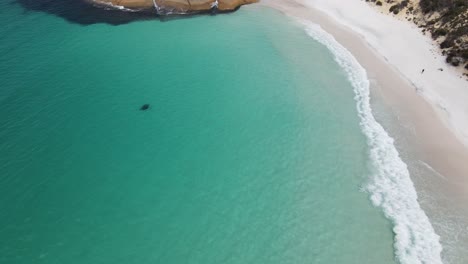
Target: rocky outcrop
x,y
173,6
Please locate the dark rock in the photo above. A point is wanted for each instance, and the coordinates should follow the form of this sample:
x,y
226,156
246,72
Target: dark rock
x,y
144,107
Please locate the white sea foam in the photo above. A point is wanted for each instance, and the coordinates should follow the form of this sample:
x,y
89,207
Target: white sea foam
x,y
391,187
112,6
156,7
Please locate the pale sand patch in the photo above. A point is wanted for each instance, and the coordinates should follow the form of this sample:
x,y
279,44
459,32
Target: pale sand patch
x,y
444,151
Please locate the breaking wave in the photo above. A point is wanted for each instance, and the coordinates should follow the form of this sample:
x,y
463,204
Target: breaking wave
x,y
390,185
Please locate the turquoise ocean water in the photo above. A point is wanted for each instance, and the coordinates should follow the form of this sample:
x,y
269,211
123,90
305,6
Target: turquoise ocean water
x,y
251,151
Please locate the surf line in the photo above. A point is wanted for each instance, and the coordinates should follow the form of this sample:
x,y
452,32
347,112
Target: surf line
x,y
390,186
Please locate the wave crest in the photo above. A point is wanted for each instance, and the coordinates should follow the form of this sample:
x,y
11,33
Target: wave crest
x,y
391,187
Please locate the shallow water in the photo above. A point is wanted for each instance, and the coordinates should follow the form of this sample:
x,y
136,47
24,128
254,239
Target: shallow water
x,y
437,195
251,151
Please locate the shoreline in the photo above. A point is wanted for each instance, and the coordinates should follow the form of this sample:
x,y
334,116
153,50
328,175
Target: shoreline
x,y
431,132
402,45
442,147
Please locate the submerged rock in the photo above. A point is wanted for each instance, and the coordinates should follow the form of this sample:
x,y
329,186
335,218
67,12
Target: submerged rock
x,y
173,6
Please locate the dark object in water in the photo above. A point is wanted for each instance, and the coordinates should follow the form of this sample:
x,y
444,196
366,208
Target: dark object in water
x,y
144,107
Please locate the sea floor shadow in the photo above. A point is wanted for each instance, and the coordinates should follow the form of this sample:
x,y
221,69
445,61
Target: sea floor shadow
x,y
83,13
80,12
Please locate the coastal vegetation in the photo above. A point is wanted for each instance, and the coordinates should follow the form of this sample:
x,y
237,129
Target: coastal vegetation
x,y
445,20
